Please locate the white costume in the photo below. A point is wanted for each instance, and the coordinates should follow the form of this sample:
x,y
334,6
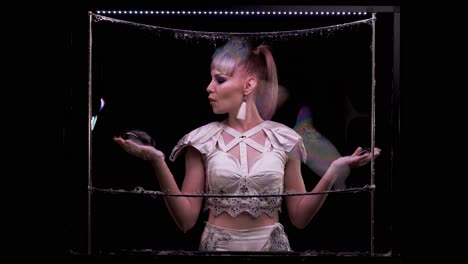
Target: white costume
x,y
226,174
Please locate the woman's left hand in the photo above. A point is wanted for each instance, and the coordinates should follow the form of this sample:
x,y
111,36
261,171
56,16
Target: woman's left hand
x,y
357,159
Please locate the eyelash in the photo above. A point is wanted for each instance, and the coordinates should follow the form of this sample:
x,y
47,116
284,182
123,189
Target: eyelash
x,y
220,80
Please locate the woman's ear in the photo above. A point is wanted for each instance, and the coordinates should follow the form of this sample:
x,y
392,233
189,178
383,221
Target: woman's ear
x,y
250,85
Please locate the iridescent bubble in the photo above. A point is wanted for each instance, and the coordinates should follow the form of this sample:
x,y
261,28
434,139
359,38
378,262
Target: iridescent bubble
x,y
94,118
320,151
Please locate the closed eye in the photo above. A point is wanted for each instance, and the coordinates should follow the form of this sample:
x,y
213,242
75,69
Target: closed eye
x,y
220,79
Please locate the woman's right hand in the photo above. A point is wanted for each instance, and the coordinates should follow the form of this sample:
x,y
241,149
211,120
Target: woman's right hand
x,y
144,152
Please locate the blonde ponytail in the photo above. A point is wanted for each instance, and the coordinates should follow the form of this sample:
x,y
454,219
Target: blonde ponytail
x,y
267,95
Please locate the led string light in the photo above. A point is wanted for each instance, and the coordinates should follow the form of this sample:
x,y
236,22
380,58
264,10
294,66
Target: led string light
x,y
225,12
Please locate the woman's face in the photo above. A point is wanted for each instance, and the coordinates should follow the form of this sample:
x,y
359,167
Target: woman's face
x,y
225,92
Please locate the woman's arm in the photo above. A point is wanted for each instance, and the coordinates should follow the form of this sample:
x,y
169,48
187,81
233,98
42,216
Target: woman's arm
x,y
184,210
302,209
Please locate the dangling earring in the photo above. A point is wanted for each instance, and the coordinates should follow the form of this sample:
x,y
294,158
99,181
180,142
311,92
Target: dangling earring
x,y
241,112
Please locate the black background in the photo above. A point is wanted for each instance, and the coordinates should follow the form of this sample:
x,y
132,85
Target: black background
x,y
45,200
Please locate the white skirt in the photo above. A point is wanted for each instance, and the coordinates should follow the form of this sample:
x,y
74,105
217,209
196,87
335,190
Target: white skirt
x,y
265,238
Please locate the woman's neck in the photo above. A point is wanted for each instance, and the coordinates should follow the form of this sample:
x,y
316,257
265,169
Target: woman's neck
x,y
252,119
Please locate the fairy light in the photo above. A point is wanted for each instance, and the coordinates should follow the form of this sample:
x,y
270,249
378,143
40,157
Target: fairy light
x,y
230,12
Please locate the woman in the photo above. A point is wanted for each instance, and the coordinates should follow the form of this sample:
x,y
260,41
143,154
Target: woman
x,y
245,155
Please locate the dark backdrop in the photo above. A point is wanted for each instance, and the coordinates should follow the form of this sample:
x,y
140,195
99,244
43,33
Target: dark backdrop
x,y
145,84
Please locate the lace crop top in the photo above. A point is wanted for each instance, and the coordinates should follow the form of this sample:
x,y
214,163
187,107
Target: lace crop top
x,y
226,174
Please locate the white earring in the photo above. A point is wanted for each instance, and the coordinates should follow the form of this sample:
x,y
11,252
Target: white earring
x,y
241,113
